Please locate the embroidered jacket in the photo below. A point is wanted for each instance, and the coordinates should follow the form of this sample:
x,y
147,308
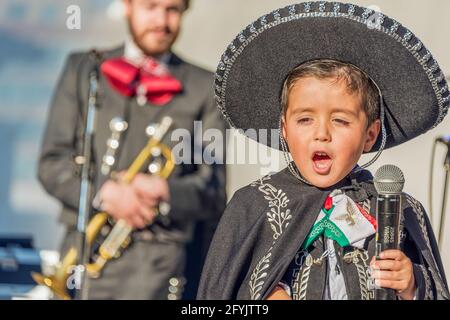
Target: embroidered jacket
x,y
259,238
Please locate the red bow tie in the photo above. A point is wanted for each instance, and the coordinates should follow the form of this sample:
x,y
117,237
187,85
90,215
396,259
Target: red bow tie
x,y
151,81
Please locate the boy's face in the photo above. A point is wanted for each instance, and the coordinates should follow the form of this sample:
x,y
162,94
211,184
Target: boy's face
x,y
326,130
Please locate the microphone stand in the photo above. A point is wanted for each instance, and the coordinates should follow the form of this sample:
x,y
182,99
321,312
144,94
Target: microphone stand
x,y
85,205
444,197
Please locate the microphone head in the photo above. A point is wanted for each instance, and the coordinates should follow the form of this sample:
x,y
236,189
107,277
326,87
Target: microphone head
x,y
389,179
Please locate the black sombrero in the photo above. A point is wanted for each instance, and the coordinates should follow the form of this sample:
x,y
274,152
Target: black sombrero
x,y
252,70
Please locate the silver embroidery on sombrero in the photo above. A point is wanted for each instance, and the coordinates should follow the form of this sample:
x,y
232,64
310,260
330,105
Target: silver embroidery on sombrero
x,y
389,26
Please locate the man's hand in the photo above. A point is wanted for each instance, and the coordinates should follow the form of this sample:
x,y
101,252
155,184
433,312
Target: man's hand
x,y
150,189
121,201
394,271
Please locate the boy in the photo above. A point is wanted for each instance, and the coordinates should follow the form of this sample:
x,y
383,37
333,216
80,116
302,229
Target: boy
x,y
307,232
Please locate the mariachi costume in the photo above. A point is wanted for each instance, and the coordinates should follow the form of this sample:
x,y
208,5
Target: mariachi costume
x,y
280,229
140,90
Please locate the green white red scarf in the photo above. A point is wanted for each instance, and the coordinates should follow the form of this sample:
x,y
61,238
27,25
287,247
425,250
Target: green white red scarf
x,y
342,220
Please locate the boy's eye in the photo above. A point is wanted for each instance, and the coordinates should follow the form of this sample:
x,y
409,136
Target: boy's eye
x,y
304,120
149,6
342,122
174,9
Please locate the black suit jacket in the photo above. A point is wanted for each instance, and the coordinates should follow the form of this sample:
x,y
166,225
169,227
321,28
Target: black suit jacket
x,y
197,190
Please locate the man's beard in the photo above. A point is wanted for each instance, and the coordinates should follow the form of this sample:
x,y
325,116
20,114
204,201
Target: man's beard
x,y
141,45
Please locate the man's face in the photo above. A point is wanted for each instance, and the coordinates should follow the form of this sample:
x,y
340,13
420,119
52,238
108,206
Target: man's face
x,y
326,130
154,24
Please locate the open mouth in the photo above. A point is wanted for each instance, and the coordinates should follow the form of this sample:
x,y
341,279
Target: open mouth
x,y
322,162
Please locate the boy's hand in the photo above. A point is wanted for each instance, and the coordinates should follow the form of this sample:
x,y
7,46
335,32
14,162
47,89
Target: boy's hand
x,y
278,294
394,271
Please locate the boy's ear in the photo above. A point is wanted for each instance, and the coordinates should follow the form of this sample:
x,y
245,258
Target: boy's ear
x,y
372,135
283,127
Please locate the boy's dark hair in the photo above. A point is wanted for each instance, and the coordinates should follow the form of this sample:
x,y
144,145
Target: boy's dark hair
x,y
357,82
186,4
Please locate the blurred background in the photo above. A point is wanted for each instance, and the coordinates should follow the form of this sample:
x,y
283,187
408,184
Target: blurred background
x,y
34,41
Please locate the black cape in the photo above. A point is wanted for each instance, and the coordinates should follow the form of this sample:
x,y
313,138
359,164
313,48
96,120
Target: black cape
x,y
266,222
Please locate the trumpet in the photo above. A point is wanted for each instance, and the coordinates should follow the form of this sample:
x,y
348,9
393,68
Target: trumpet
x,y
119,236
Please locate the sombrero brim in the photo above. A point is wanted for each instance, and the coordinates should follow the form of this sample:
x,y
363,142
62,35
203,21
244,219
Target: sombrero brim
x,y
251,72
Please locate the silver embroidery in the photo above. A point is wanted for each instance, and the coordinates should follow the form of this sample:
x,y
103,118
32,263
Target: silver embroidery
x,y
407,36
426,277
252,28
304,278
296,282
263,20
394,27
292,10
256,279
307,6
278,216
381,18
322,6
278,220
351,9
336,7
367,12
446,99
241,37
362,268
417,208
426,57
440,77
434,67
232,48
418,46
276,15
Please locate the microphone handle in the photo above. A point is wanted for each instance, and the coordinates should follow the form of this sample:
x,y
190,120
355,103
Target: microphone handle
x,y
387,237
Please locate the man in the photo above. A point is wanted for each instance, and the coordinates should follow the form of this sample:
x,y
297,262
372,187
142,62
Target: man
x,y
194,191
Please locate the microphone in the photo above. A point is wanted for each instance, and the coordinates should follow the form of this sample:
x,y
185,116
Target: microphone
x,y
389,182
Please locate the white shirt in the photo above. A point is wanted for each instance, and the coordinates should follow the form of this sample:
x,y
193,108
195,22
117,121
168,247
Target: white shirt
x,y
136,56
